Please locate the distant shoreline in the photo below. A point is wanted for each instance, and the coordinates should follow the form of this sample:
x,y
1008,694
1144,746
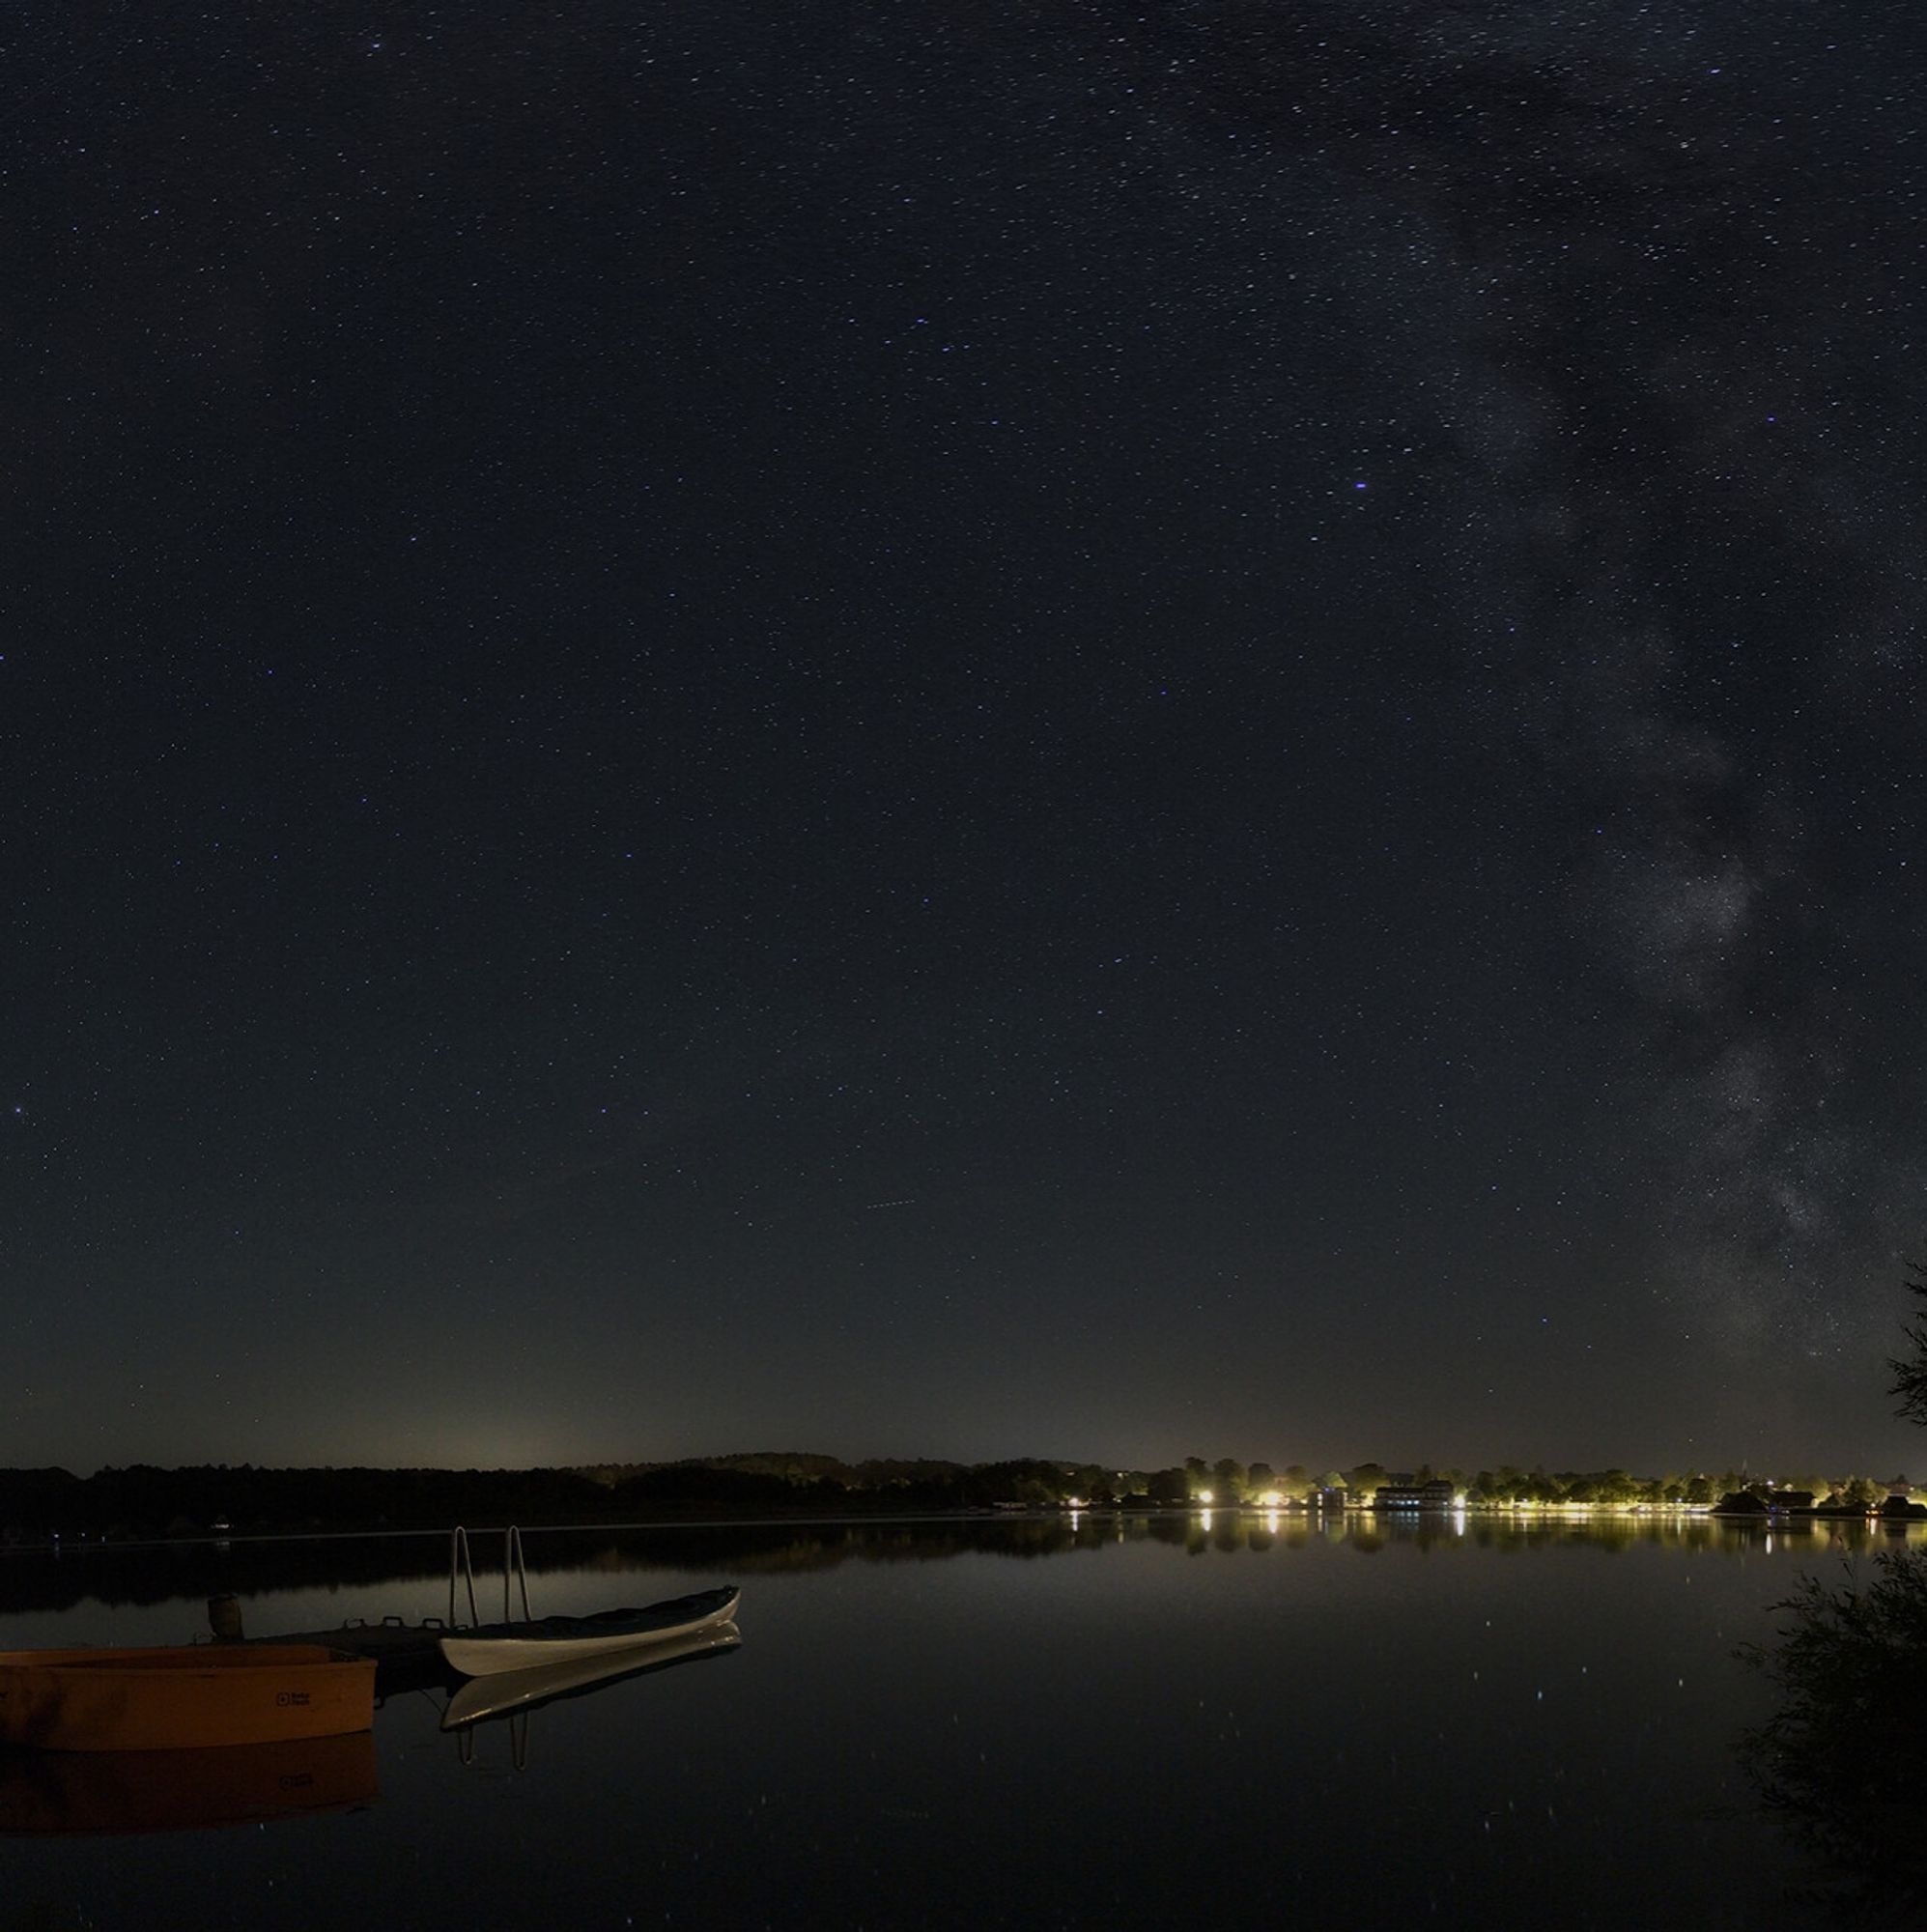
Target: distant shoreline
x,y
143,1504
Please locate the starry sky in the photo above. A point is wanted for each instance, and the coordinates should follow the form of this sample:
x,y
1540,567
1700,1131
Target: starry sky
x,y
1111,731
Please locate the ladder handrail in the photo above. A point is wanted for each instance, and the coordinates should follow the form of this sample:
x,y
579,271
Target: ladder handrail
x,y
458,1553
514,1560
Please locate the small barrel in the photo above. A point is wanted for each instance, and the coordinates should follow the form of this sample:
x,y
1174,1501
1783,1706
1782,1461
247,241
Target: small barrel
x,y
224,1617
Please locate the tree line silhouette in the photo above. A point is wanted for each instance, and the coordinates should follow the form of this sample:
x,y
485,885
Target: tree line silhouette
x,y
141,1502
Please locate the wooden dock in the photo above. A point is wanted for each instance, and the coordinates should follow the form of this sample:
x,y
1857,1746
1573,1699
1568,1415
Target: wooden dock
x,y
407,1656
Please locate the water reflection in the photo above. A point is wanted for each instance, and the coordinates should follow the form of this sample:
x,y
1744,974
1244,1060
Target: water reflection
x,y
49,1793
39,1581
479,1700
930,1715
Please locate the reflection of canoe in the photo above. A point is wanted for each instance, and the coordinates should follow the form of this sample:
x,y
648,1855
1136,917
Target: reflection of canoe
x,y
509,1691
181,1699
494,1648
182,1790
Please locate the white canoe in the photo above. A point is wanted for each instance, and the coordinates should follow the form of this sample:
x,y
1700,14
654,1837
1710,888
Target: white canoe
x,y
494,1648
512,1690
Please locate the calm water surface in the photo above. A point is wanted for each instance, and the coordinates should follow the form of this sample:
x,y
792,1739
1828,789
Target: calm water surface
x,y
1135,1723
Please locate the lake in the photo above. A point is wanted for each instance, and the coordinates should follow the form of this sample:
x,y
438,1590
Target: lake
x,y
1125,1721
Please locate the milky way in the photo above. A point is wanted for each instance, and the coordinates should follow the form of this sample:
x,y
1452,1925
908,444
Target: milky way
x,y
1109,732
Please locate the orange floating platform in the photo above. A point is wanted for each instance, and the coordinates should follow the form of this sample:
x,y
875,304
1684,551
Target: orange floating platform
x,y
188,1698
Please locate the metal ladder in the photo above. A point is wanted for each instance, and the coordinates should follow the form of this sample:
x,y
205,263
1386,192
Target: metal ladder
x,y
514,1567
515,1564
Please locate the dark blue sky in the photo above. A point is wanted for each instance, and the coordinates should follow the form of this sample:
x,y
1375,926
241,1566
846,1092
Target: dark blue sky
x,y
910,730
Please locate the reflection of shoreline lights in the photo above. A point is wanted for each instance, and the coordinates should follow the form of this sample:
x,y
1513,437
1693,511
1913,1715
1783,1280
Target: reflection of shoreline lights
x,y
1271,1521
1205,1518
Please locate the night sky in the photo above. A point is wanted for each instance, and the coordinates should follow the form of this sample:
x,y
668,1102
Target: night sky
x,y
1109,731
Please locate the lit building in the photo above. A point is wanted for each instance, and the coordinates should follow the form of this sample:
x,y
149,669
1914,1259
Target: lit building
x,y
1436,1494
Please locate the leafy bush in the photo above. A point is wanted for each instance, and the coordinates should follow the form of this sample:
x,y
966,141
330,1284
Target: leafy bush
x,y
1842,1759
